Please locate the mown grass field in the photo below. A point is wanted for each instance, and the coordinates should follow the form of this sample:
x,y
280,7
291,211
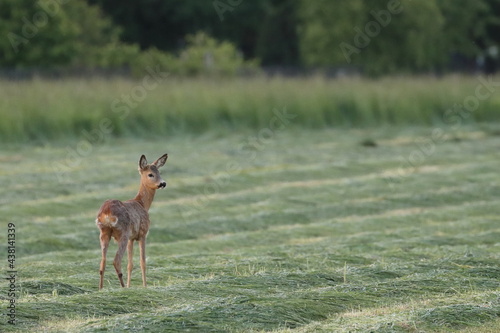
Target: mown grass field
x,y
292,230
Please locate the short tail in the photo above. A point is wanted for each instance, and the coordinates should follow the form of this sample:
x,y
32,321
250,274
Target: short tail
x,y
106,220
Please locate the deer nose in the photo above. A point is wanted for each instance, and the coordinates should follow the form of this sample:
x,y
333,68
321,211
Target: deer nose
x,y
162,185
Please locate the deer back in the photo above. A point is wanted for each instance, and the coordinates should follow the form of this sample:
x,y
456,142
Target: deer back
x,y
124,217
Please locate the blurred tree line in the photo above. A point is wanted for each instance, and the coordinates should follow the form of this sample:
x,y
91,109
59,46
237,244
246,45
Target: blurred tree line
x,y
226,36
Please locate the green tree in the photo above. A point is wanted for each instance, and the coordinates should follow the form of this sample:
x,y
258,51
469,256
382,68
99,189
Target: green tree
x,y
492,21
264,29
378,36
55,33
324,25
462,27
98,41
202,56
277,42
34,33
472,28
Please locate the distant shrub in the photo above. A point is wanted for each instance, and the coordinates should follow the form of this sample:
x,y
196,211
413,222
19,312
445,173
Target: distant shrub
x,y
152,58
203,56
112,55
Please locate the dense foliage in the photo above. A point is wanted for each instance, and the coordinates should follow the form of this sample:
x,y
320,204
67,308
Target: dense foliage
x,y
377,37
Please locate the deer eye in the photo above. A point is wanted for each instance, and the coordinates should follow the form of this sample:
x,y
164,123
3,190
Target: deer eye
x,y
150,175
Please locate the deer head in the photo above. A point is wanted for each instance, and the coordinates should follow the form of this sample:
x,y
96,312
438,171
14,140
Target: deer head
x,y
150,175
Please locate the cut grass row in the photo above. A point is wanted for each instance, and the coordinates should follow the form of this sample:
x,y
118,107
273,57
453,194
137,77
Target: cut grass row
x,y
310,235
41,110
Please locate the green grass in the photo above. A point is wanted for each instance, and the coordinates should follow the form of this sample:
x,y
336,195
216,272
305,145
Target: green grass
x,y
307,231
45,110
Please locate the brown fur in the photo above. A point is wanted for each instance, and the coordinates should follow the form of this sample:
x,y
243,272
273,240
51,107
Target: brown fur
x,y
128,221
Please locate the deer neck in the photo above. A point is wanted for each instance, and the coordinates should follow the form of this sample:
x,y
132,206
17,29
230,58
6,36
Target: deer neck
x,y
145,196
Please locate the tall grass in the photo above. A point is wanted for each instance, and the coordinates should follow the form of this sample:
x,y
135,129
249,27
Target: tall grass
x,y
53,109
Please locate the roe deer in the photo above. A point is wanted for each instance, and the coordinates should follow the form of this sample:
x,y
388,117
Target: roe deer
x,y
128,221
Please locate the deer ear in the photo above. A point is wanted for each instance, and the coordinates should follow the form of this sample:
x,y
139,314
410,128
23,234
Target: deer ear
x,y
143,163
161,161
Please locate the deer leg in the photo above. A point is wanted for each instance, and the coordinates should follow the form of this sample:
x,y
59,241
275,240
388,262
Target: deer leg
x,y
130,252
122,245
105,237
142,248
